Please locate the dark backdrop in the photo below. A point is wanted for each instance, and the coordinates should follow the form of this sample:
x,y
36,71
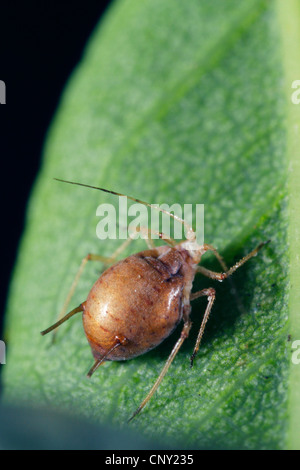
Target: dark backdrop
x,y
40,44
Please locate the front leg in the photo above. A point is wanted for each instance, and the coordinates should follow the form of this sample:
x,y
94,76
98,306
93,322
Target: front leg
x,y
227,273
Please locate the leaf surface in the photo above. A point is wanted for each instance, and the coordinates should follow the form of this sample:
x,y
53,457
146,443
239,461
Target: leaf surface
x,y
173,102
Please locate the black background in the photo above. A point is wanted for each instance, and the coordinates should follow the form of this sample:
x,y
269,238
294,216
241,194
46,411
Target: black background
x,y
40,44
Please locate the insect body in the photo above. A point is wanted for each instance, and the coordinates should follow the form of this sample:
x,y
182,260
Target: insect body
x,y
137,302
150,287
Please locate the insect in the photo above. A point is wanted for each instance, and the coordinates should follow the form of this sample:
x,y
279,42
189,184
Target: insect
x,y
137,302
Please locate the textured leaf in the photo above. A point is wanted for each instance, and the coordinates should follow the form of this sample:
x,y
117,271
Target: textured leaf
x,y
173,102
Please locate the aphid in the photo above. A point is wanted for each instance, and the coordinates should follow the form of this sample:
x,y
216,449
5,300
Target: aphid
x,y
137,302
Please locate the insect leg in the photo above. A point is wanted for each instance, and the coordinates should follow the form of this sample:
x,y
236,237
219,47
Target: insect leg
x,y
234,290
217,255
80,308
227,273
184,334
210,293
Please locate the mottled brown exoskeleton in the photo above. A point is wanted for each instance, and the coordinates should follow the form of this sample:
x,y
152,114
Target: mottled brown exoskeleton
x,y
137,302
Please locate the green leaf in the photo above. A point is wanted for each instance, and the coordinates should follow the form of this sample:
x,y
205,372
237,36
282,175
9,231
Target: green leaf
x,y
38,428
184,102
290,31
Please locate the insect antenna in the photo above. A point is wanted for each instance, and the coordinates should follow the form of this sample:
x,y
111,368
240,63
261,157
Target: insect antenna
x,y
189,232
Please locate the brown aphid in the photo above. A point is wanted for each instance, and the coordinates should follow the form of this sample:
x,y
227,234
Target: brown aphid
x,y
137,302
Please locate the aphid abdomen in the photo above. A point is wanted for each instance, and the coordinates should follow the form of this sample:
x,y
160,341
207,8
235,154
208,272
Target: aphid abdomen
x,y
137,299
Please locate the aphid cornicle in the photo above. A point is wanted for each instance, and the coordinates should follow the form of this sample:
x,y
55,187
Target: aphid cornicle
x,y
137,302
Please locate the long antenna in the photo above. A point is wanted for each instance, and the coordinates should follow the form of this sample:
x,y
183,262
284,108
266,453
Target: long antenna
x,y
190,235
